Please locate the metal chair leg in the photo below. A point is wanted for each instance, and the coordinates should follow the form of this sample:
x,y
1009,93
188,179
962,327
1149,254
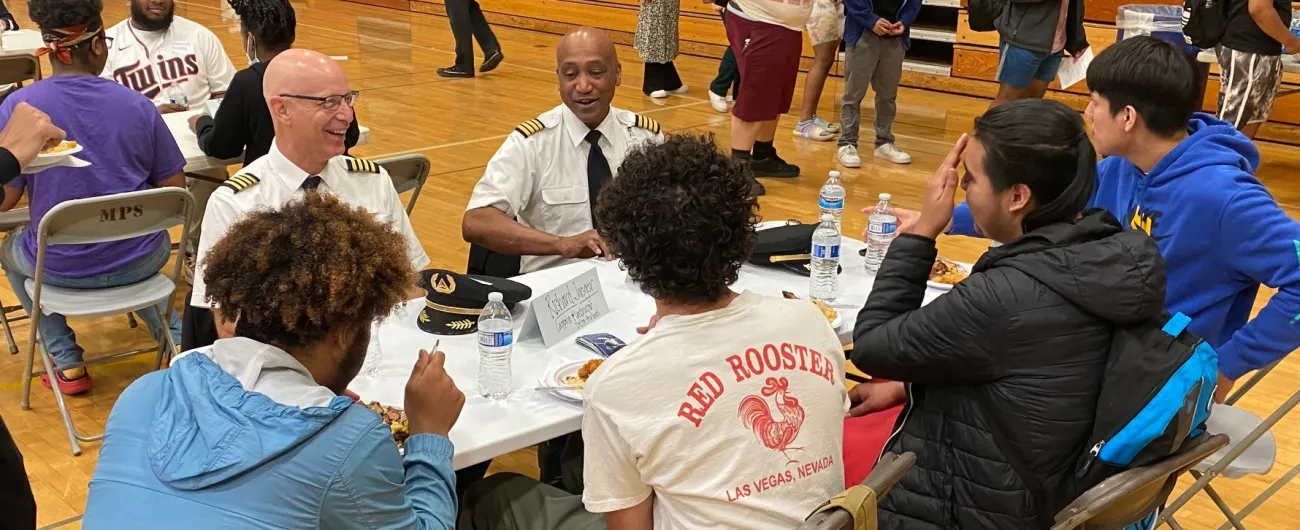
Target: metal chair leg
x,y
1210,474
9,332
31,358
130,321
1228,512
1173,524
63,407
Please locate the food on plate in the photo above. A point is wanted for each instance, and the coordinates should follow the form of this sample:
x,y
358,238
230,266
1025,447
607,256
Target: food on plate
x,y
584,372
395,419
66,145
827,311
947,272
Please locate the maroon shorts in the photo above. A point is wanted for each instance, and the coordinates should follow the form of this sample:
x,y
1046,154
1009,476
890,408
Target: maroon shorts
x,y
768,57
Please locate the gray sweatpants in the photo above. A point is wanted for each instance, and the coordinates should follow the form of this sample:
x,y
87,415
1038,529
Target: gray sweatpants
x,y
878,62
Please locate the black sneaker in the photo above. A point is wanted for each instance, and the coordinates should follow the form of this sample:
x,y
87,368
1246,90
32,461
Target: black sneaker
x,y
456,71
756,188
773,167
491,62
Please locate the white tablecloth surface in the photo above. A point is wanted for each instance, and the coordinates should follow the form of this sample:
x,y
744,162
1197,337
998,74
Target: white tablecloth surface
x,y
1289,63
20,42
488,428
195,160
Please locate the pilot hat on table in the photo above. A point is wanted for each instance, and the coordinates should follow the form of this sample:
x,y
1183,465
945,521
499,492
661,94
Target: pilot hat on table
x,y
788,247
453,301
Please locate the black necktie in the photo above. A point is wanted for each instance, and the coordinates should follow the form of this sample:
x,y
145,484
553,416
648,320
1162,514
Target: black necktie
x,y
311,183
597,170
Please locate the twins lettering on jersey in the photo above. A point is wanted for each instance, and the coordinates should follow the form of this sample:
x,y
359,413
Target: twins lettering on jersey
x,y
144,78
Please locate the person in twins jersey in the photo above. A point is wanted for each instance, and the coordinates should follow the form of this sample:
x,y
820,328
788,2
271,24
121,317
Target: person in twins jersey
x,y
178,64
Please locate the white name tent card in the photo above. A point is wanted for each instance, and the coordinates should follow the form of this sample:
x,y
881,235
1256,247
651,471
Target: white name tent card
x,y
567,308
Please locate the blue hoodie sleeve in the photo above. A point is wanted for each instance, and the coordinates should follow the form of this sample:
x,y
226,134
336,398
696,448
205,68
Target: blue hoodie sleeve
x,y
911,8
862,12
1270,255
377,489
962,222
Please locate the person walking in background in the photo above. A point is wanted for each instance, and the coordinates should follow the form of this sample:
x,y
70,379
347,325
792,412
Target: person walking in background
x,y
767,38
1250,56
1033,36
656,42
469,25
877,33
7,22
728,72
825,29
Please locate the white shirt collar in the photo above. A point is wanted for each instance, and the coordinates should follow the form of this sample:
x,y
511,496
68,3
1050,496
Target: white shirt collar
x,y
292,175
578,130
267,370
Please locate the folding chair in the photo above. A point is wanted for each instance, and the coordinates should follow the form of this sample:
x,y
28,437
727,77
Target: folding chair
x,y
856,507
15,69
408,173
1252,450
1132,496
8,221
93,220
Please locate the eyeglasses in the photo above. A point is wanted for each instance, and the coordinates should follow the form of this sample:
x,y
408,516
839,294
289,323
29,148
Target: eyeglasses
x,y
329,102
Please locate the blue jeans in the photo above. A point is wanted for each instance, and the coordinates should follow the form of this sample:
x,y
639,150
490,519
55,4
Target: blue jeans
x,y
58,338
1019,67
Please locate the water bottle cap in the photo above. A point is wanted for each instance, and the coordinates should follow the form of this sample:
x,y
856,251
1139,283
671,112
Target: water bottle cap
x,y
885,196
494,297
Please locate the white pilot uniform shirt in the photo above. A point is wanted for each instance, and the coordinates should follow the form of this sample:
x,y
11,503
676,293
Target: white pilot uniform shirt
x,y
539,175
277,181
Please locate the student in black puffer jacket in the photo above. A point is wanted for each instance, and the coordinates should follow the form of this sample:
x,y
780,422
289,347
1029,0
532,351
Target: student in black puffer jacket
x,y
1019,347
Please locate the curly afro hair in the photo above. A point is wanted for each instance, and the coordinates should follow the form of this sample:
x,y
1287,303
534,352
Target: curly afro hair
x,y
680,217
53,14
272,22
293,275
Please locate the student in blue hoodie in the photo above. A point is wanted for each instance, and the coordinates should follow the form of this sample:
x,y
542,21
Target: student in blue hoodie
x,y
1187,180
253,432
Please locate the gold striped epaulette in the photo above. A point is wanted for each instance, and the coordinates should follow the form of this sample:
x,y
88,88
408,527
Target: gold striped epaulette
x,y
241,182
360,165
530,127
647,124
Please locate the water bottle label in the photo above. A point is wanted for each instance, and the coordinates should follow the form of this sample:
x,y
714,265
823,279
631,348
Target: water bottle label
x,y
879,228
823,251
831,204
499,339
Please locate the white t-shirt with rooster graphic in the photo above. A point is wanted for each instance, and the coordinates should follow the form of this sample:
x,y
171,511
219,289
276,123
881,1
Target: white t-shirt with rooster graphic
x,y
732,418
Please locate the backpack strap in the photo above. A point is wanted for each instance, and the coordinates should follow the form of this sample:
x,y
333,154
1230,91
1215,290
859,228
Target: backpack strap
x,y
1176,324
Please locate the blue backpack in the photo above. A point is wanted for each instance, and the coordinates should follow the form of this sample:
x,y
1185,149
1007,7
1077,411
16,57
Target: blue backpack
x,y
1156,395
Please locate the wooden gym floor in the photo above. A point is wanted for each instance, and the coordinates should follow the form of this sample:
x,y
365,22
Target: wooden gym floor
x,y
390,56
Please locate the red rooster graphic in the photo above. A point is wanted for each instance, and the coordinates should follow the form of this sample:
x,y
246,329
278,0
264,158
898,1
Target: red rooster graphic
x,y
776,435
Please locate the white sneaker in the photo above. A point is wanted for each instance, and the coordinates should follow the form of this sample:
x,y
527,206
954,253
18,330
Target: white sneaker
x,y
848,156
719,103
682,90
892,153
659,94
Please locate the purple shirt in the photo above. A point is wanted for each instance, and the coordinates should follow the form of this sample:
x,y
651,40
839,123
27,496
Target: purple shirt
x,y
129,148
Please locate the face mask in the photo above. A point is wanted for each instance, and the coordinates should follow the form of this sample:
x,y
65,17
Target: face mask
x,y
251,51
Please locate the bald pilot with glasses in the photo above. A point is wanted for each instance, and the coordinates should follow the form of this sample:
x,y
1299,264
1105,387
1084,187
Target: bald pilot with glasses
x,y
311,108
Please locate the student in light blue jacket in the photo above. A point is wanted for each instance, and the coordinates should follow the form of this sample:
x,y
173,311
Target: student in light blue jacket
x,y
252,432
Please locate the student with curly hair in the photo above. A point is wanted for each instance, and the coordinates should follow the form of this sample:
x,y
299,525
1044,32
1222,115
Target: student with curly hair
x,y
729,412
131,150
252,432
243,126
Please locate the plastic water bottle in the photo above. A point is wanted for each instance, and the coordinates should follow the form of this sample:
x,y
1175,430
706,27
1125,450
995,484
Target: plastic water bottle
x,y
176,96
496,338
825,281
882,227
832,198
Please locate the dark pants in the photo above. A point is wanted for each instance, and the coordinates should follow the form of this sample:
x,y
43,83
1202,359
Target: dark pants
x,y
728,76
468,25
507,501
660,76
197,327
17,505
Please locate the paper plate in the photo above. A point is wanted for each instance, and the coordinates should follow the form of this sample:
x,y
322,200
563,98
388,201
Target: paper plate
x,y
947,287
45,158
557,378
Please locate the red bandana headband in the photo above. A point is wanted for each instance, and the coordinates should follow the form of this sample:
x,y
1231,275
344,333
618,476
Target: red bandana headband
x,y
60,41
